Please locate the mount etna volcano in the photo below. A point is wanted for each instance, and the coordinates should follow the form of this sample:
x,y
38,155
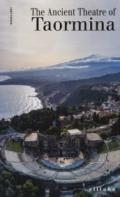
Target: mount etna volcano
x,y
89,67
68,82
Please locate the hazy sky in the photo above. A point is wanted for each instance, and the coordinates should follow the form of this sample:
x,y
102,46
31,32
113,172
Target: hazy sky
x,y
21,47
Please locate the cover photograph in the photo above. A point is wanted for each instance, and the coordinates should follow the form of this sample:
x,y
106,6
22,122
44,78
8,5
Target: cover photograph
x,y
59,98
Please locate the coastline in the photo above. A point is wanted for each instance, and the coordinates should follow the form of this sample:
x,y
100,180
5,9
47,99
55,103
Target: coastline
x,y
40,97
13,81
44,100
4,78
38,84
14,108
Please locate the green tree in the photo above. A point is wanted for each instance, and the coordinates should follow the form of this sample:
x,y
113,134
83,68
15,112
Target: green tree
x,y
29,189
116,128
83,194
116,194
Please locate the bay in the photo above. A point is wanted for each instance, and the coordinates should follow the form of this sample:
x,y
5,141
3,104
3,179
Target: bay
x,y
17,99
4,77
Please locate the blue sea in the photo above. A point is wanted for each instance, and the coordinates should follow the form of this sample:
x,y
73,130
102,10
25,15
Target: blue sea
x,y
17,99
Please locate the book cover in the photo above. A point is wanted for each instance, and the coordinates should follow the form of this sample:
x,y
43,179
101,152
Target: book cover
x,y
59,98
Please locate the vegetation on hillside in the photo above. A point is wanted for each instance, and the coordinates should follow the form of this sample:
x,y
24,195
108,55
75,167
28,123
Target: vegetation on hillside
x,y
47,121
12,145
83,194
13,186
